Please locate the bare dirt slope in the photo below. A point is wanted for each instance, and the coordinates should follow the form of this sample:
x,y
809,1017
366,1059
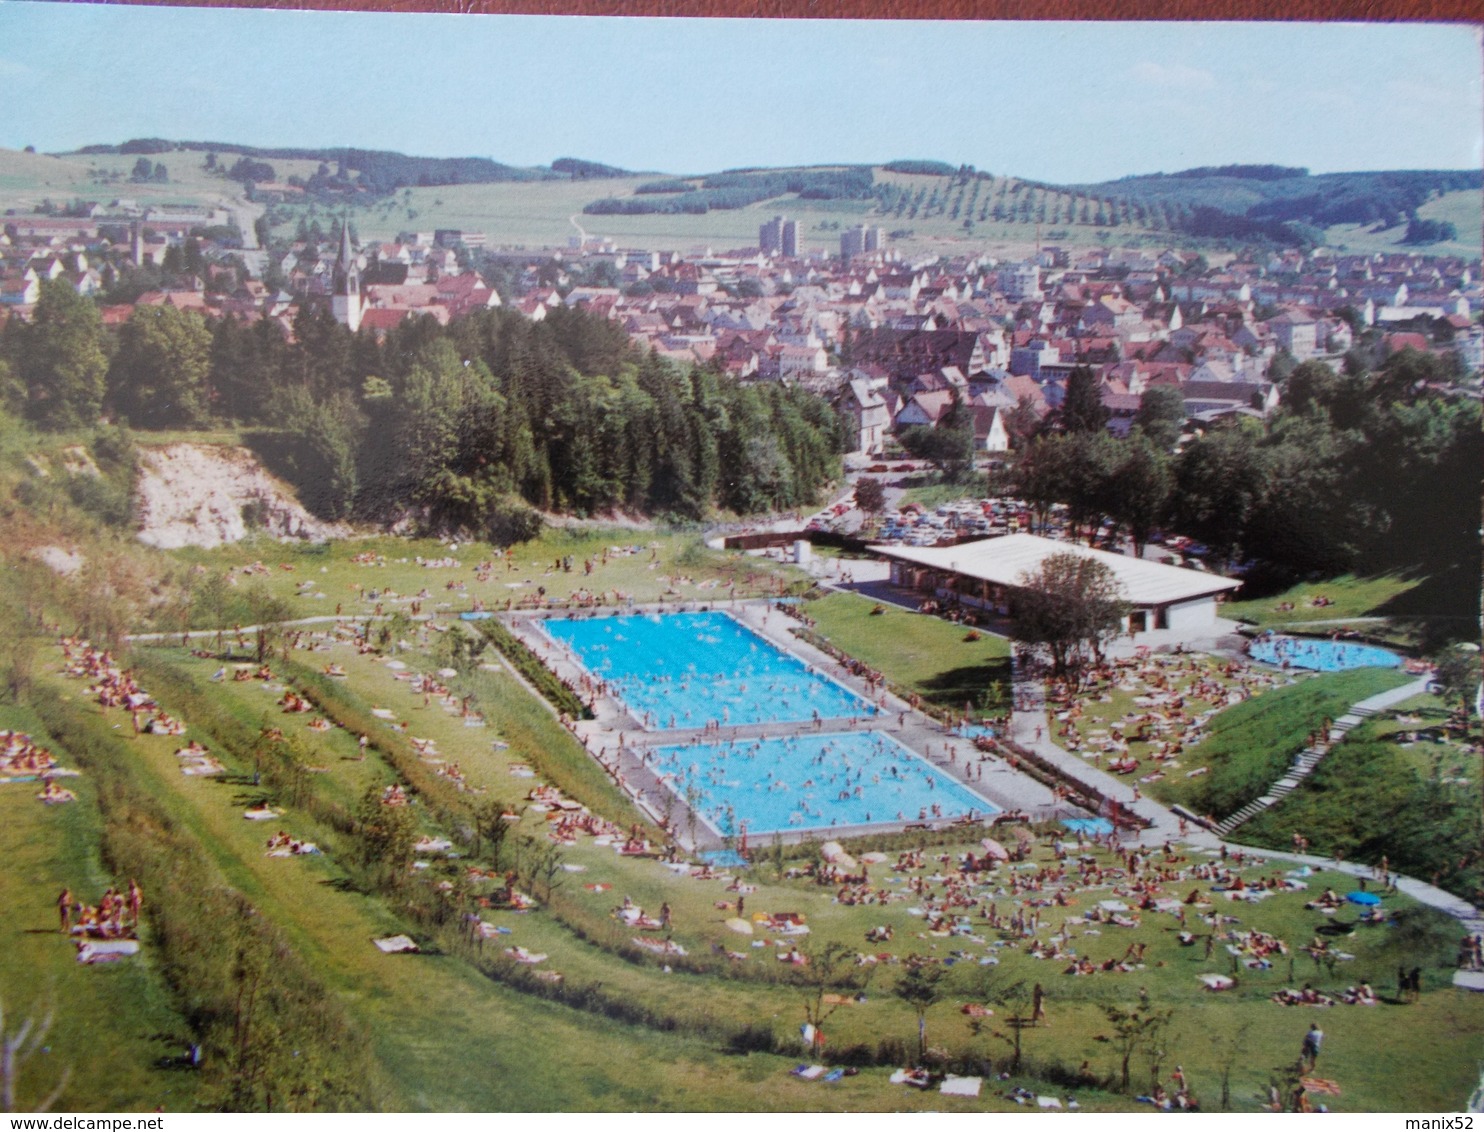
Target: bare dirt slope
x,y
206,495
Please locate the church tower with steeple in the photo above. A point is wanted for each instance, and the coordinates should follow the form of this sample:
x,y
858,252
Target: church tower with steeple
x,y
346,292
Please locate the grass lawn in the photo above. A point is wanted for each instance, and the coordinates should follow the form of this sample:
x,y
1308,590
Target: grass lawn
x,y
926,655
113,1022
1250,745
453,1039
353,577
931,491
1352,597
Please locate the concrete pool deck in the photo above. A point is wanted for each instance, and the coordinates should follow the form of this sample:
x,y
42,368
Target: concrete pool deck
x,y
617,739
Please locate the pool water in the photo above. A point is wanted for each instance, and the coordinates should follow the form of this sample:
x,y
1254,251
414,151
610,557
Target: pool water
x,y
810,782
683,670
1321,656
1091,827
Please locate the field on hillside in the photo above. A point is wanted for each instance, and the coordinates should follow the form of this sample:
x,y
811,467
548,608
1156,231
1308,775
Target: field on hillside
x,y
932,214
541,214
1464,209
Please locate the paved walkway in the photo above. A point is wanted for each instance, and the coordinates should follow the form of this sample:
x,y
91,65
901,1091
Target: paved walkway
x,y
1030,727
1310,757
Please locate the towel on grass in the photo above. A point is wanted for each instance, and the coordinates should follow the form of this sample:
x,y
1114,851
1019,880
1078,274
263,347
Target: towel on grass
x,y
393,944
106,950
960,1086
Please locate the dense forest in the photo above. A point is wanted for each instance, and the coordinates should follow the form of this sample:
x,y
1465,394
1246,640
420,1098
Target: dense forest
x,y
474,426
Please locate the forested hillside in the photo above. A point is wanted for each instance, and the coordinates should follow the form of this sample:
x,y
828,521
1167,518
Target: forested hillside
x,y
472,426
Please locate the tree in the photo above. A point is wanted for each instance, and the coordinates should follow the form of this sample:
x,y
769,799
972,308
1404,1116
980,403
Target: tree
x,y
1022,422
1139,489
491,829
62,360
159,377
948,445
830,973
1070,606
386,836
1283,364
870,496
268,611
921,988
1458,673
989,985
1229,1045
1082,408
544,868
1311,387
1219,479
1161,415
1135,1029
1043,475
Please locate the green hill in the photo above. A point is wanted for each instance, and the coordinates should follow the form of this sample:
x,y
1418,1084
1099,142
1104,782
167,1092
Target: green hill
x,y
927,207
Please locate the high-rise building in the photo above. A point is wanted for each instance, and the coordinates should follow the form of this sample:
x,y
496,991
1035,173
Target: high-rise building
x,y
790,239
779,237
861,240
770,236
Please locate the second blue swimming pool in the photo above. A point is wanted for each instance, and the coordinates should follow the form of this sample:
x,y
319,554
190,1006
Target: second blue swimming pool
x,y
684,670
1321,655
811,782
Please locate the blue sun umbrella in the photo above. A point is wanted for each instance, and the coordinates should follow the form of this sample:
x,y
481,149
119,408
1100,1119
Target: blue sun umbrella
x,y
1369,899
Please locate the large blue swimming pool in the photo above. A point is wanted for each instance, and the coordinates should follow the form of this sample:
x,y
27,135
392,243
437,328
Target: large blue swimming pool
x,y
683,670
1320,655
811,782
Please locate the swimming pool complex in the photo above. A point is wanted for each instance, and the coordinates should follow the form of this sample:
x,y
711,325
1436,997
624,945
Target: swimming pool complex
x,y
810,782
1321,656
684,670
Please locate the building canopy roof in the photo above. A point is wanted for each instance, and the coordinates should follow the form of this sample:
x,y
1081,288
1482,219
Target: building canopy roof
x,y
1007,560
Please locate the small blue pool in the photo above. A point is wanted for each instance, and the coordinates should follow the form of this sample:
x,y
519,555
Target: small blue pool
x,y
684,670
811,782
975,731
1091,827
1320,655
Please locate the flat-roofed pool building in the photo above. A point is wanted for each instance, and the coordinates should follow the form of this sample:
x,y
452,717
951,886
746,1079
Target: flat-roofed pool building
x,y
984,574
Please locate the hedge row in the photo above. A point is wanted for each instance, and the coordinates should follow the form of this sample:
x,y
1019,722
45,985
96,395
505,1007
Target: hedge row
x,y
553,689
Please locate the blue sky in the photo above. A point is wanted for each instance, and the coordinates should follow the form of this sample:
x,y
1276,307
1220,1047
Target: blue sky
x,y
1060,102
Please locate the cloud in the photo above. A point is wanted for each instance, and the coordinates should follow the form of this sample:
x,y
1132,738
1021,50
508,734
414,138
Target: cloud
x,y
1172,75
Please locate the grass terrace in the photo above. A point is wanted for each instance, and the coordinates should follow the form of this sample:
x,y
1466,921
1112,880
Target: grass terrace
x,y
116,1027
1248,746
1339,600
1405,786
928,656
342,577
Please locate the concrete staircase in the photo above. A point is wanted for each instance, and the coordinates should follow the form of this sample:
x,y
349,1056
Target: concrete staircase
x,y
1303,766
